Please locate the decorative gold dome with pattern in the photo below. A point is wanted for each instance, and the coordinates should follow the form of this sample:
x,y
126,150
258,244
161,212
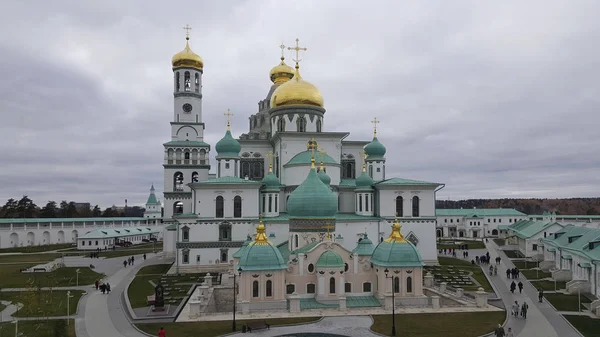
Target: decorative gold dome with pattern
x,y
296,91
187,58
281,73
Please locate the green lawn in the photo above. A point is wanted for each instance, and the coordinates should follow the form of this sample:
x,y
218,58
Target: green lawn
x,y
443,324
19,258
450,261
44,303
157,269
459,267
2,306
43,328
549,285
564,302
62,277
139,289
451,244
587,326
522,265
500,242
215,328
513,254
36,249
535,274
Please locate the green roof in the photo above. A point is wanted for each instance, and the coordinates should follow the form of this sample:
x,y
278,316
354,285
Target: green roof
x,y
104,233
228,146
396,254
401,181
324,177
503,227
478,211
152,197
364,247
330,259
305,158
311,303
261,257
226,180
312,199
348,183
364,181
271,181
190,143
36,220
375,150
242,249
284,250
362,301
307,248
172,227
585,265
525,229
283,217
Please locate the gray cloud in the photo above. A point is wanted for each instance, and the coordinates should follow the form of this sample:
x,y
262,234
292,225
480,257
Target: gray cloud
x,y
493,99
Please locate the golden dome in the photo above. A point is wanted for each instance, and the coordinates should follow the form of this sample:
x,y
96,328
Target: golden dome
x,y
281,73
297,92
187,58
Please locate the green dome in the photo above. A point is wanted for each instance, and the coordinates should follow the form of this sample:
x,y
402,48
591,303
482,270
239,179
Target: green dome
x,y
305,158
364,247
312,199
330,259
261,254
375,150
240,251
271,181
324,177
364,181
228,146
395,251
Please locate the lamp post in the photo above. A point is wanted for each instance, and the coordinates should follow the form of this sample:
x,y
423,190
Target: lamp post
x,y
77,272
177,249
386,271
239,270
68,308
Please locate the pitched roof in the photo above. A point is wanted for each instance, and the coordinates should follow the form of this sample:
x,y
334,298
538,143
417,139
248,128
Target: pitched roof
x,y
36,220
478,212
402,181
104,233
227,180
528,228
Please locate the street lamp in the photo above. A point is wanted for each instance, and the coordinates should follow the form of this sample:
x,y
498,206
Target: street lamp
x,y
177,249
239,270
68,302
77,272
386,271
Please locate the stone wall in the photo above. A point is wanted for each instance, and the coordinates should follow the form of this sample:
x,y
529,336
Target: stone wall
x,y
223,298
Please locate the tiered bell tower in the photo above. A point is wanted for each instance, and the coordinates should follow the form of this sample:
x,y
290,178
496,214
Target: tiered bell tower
x,y
186,155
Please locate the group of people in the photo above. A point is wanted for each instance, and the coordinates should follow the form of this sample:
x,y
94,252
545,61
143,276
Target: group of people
x,y
103,287
499,332
513,287
446,251
520,309
483,259
130,261
512,273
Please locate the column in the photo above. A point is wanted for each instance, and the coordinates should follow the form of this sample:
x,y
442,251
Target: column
x,y
301,258
320,285
355,263
342,288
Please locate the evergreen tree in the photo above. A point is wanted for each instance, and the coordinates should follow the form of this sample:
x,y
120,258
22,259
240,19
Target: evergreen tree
x,y
96,212
63,212
72,211
50,210
9,210
26,208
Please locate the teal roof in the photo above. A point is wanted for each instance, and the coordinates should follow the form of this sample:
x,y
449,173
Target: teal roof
x,y
528,228
104,233
284,250
228,146
364,247
240,251
271,181
282,217
190,143
348,183
362,301
305,158
401,181
330,259
312,199
364,181
478,211
503,227
261,256
567,232
375,150
396,254
311,303
226,180
171,227
152,197
102,220
305,249
324,177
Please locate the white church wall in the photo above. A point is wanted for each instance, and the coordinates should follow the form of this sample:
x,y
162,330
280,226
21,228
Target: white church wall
x,y
206,201
352,231
387,201
228,167
346,201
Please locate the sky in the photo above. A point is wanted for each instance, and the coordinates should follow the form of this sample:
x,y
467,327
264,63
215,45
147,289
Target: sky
x,y
494,99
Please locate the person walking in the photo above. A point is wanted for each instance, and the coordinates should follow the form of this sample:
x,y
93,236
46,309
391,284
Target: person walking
x,y
144,257
510,333
125,264
499,332
507,273
540,295
513,286
132,260
515,309
520,287
162,332
107,288
524,309
97,284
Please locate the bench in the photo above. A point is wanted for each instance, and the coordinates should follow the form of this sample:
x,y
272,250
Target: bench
x,y
150,299
258,326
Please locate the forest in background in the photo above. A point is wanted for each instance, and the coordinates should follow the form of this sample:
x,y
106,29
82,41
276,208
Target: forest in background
x,y
570,206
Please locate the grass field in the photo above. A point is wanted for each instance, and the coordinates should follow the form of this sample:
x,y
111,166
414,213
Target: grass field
x,y
587,326
156,269
500,242
532,274
44,303
141,286
36,249
549,285
564,302
2,306
62,277
42,328
513,254
444,324
452,244
22,258
459,267
215,328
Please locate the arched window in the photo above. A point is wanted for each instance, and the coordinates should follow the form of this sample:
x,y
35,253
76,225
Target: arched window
x,y
186,256
360,204
219,207
186,80
281,124
371,171
197,82
332,285
396,284
415,206
366,287
276,201
399,206
270,203
409,284
178,207
223,255
269,290
290,288
301,124
237,206
185,233
319,125
255,289
264,202
296,241
310,288
177,82
178,181
194,177
186,155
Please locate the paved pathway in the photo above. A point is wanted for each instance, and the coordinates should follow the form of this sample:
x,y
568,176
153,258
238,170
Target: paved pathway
x,y
542,320
352,326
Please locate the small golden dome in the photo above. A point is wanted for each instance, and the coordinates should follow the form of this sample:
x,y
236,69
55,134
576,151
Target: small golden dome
x,y
187,58
297,91
281,73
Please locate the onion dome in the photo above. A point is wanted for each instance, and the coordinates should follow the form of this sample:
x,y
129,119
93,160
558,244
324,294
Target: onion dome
x,y
323,175
240,251
281,73
296,91
330,259
271,181
187,58
312,198
395,251
228,146
375,150
364,247
364,181
261,254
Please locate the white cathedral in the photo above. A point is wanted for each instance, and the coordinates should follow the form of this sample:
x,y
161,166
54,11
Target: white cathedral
x,y
270,174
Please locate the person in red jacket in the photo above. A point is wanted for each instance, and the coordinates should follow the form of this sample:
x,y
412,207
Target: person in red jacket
x,y
162,332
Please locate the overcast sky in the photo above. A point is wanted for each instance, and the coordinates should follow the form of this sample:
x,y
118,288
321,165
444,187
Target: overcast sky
x,y
493,98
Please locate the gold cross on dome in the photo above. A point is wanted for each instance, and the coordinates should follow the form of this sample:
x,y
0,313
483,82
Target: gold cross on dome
x,y
228,114
282,47
328,227
375,122
297,49
187,29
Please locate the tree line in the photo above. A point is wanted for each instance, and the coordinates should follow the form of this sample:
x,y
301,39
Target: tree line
x,y
26,208
533,206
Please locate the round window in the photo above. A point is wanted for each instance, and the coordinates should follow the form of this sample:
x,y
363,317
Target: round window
x,y
311,268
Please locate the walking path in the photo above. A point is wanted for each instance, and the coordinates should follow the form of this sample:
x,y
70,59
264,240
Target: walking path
x,y
352,326
542,320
